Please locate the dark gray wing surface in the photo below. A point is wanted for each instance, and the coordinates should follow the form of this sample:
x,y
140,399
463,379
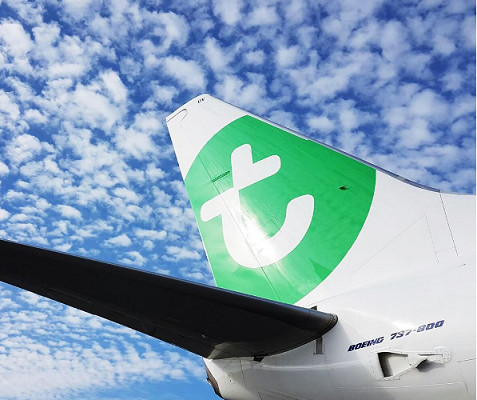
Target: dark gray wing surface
x,y
209,321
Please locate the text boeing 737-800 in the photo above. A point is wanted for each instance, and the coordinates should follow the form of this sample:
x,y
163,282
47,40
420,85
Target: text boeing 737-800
x,y
336,279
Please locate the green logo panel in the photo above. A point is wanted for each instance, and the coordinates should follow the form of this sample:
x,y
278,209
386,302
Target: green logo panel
x,y
342,190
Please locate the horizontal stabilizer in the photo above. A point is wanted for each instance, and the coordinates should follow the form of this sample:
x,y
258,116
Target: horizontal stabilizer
x,y
212,322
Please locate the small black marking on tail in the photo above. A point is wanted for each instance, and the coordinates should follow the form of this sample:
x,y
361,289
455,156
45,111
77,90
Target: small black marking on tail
x,y
220,176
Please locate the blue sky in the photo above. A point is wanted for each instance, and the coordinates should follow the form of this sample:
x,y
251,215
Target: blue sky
x,y
87,167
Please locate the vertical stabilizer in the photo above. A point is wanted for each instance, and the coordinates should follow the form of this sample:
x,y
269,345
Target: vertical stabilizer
x,y
277,212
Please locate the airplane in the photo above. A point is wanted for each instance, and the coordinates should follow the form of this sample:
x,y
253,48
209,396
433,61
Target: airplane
x,y
336,279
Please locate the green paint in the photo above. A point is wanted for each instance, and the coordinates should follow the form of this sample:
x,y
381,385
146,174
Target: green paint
x,y
306,168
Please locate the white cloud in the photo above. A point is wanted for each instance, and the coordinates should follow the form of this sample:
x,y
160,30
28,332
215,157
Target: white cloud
x,y
127,194
283,118
150,234
452,81
417,134
30,298
16,41
68,211
468,31
365,35
177,253
256,57
172,28
35,116
115,86
428,104
8,106
331,78
134,258
396,116
180,189
135,144
335,26
444,45
462,178
46,37
63,247
130,68
4,214
150,53
263,15
295,12
187,72
216,57
23,148
148,244
64,70
320,123
119,241
163,94
4,170
72,48
148,122
287,56
161,198
44,167
154,173
463,105
93,109
250,95
20,218
77,9
393,41
198,273
348,119
229,12
24,92
351,141
177,219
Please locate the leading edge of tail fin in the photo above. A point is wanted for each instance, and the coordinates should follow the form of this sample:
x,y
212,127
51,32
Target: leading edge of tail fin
x,y
277,212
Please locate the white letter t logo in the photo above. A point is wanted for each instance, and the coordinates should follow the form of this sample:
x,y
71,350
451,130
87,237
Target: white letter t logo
x,y
245,240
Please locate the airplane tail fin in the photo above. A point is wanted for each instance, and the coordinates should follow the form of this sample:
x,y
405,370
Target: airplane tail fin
x,y
278,212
